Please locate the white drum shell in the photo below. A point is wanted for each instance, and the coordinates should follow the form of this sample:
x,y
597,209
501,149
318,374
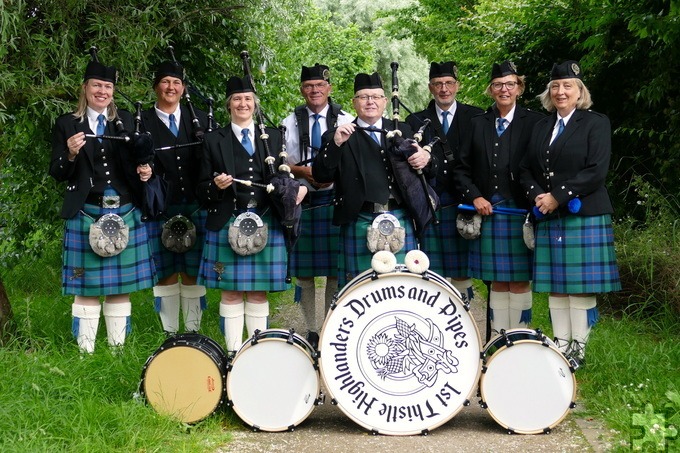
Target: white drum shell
x,y
273,385
361,363
528,387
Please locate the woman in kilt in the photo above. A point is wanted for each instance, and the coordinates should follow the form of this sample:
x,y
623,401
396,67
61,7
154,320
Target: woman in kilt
x,y
171,125
486,174
564,174
234,264
103,181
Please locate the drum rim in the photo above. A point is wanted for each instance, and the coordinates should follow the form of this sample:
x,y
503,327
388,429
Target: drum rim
x,y
401,270
220,365
248,345
525,431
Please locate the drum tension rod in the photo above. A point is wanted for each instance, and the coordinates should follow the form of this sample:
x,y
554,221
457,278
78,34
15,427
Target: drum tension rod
x,y
291,333
425,432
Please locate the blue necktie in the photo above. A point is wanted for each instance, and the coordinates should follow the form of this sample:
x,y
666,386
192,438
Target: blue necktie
x,y
501,126
316,134
375,137
247,144
560,128
445,122
173,125
101,125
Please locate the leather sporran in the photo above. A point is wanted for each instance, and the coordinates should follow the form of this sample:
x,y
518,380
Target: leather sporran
x,y
248,234
178,234
528,233
469,225
385,233
109,235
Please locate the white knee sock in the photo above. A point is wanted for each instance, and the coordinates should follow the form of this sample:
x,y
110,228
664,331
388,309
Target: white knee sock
x,y
464,287
500,310
117,317
231,323
308,303
583,314
85,325
166,303
256,317
561,321
520,310
193,304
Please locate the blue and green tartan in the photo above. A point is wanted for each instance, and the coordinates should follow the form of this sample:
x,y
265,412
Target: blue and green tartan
x,y
222,268
447,250
169,263
85,273
499,254
316,251
575,255
354,256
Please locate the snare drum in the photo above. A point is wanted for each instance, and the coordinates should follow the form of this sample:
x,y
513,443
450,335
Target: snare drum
x,y
185,378
527,385
273,381
399,352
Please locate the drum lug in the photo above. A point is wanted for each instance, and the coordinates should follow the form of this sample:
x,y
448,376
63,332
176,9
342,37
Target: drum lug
x,y
511,431
483,405
547,430
572,405
256,337
425,432
255,428
375,432
466,403
334,402
291,334
291,428
321,399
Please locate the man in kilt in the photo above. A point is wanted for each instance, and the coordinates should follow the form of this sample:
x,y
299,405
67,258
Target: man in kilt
x,y
486,176
104,180
315,253
450,121
355,157
172,126
564,174
233,259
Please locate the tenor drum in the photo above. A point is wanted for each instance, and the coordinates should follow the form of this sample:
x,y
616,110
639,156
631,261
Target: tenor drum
x,y
185,378
273,381
399,352
527,385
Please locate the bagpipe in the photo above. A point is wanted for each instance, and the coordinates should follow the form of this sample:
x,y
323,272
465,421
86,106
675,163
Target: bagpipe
x,y
281,186
419,196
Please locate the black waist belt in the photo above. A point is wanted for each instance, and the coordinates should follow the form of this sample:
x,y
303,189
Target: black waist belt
x,y
374,208
108,201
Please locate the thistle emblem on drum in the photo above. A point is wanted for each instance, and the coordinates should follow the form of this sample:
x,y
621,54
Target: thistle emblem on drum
x,y
410,353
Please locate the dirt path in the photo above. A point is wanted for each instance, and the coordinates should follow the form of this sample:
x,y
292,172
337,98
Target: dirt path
x,y
329,430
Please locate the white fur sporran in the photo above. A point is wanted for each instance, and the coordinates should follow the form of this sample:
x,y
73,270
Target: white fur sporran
x,y
385,233
469,226
109,235
528,233
248,234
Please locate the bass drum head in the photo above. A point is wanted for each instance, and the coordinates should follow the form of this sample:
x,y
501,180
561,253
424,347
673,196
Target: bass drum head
x,y
185,378
273,384
528,387
399,352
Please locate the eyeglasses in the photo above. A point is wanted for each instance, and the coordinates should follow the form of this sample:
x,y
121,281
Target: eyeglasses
x,y
314,86
498,86
447,84
372,97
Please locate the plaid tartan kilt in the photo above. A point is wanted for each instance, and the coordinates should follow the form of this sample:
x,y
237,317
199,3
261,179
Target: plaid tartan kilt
x,y
447,250
167,262
575,255
85,273
316,251
353,254
500,254
222,268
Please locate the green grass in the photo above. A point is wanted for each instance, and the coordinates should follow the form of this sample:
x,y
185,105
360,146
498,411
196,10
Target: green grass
x,y
54,399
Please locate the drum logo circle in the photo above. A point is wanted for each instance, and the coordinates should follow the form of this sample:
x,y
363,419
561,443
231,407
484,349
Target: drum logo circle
x,y
400,353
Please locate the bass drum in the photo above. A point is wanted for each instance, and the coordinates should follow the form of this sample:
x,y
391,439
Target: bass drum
x,y
273,381
185,378
527,384
399,352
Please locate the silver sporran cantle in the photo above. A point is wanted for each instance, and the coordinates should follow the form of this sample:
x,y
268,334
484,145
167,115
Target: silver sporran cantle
x,y
248,234
385,233
109,235
179,234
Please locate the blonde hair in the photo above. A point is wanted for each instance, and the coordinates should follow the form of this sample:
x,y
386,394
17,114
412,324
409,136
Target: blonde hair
x,y
521,82
585,101
81,109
